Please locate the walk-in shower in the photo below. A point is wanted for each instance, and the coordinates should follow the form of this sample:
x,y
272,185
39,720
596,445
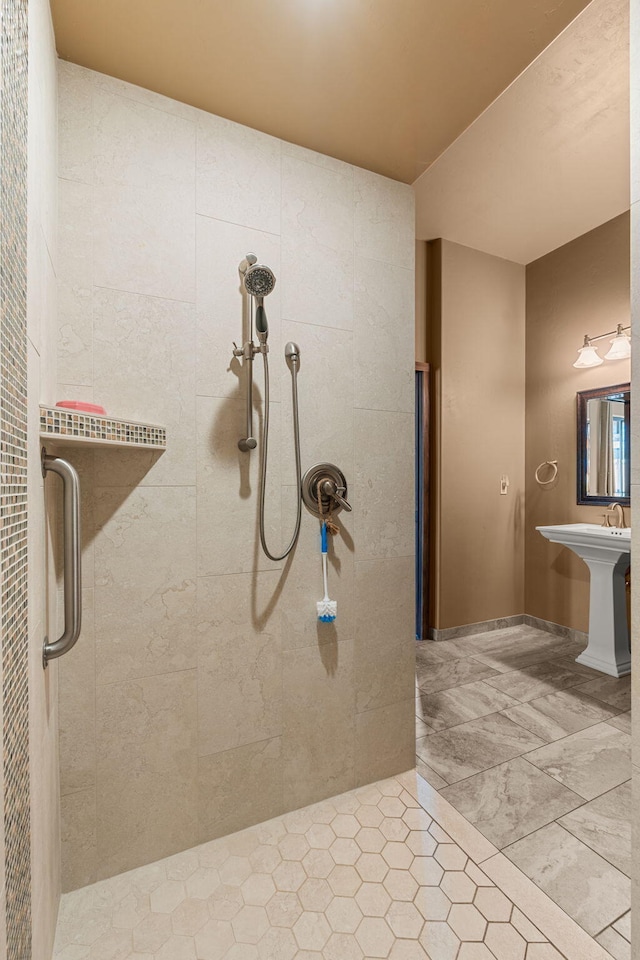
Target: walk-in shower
x,y
258,282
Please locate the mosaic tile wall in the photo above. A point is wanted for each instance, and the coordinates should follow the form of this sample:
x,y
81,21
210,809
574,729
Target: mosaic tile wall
x,y
13,480
63,423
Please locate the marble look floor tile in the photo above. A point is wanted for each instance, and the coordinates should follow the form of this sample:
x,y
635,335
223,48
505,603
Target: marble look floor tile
x,y
616,692
587,887
423,729
443,676
447,708
428,773
623,925
535,681
622,722
471,747
511,800
558,714
604,824
589,762
569,661
512,640
508,662
430,651
617,946
507,637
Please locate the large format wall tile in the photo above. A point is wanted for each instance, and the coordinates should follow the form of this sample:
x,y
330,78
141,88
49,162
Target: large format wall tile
x,y
384,219
301,583
239,661
239,787
75,273
325,392
384,616
149,98
317,243
383,488
144,369
384,303
147,770
75,123
227,489
145,588
221,317
220,698
144,223
83,461
385,741
318,722
238,174
77,708
78,838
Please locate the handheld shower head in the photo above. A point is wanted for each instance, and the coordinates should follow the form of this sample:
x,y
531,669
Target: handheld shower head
x,y
262,327
259,280
248,261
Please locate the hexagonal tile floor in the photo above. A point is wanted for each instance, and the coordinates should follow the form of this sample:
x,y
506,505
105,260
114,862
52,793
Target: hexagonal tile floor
x,y
369,874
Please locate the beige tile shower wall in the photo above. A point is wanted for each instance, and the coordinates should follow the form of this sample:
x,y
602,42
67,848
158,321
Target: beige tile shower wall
x,y
203,695
41,372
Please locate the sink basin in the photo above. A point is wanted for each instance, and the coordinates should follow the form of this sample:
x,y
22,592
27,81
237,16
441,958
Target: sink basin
x,y
607,553
584,533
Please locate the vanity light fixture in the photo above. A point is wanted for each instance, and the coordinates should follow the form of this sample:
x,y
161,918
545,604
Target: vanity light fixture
x,y
620,348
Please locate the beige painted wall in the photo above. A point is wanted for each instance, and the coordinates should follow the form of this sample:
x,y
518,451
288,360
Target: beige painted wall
x,y
203,695
41,374
477,320
583,287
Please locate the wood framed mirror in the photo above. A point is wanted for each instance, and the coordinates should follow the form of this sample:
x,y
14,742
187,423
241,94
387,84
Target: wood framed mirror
x,y
603,448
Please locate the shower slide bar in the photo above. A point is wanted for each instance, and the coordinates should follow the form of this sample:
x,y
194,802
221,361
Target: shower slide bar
x,y
72,567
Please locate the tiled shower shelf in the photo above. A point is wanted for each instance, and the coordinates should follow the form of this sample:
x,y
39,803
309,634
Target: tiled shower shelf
x,y
89,430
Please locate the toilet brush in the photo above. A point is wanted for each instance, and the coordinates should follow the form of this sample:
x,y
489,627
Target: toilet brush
x,y
327,609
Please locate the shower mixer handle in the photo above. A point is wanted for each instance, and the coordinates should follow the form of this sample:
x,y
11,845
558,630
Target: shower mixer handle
x,y
324,490
331,489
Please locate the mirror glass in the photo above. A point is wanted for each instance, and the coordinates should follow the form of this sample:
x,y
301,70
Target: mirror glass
x,y
603,445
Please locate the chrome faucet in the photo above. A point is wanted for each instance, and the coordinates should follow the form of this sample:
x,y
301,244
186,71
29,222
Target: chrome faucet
x,y
618,510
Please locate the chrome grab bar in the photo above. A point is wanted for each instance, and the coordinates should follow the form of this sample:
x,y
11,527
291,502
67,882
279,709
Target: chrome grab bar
x,y
72,552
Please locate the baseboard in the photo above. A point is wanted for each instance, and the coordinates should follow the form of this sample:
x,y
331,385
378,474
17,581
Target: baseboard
x,y
577,636
468,629
503,623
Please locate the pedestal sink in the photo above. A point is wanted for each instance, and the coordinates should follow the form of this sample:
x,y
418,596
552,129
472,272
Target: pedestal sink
x,y
606,551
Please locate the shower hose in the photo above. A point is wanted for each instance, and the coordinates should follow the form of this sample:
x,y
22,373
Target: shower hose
x,y
263,458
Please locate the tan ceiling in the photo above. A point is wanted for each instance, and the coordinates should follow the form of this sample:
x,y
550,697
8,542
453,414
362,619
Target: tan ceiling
x,y
384,84
549,160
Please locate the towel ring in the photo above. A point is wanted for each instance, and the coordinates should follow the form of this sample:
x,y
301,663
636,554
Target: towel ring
x,y
547,463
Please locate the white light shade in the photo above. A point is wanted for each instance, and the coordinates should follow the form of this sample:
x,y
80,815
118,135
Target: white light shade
x,y
588,357
620,348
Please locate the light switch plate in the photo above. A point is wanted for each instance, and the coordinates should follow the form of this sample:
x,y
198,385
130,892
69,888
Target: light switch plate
x,y
504,485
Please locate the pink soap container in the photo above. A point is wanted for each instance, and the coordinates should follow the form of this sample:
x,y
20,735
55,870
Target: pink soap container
x,y
82,407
